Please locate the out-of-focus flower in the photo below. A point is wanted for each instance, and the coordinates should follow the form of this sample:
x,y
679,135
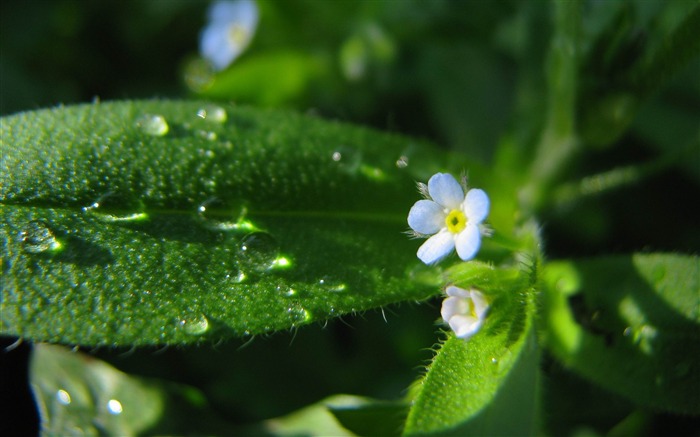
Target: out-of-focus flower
x,y
229,31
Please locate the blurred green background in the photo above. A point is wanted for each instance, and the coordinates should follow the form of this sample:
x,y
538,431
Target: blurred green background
x,y
468,75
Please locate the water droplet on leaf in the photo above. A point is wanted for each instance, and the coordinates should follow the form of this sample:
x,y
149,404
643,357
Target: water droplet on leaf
x,y
195,325
402,162
37,237
63,397
212,113
153,124
258,251
298,314
346,159
207,135
114,407
113,207
219,215
332,285
286,290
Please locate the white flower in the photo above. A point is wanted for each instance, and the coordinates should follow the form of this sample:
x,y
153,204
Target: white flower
x,y
230,29
453,219
464,310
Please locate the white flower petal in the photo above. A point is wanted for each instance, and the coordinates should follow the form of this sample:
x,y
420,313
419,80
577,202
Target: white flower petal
x,y
465,326
450,307
481,305
468,242
455,291
436,247
426,217
476,205
445,190
464,310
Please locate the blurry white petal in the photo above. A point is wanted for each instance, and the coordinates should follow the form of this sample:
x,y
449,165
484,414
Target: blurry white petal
x,y
455,291
436,247
465,326
426,217
476,205
481,305
243,11
468,242
445,190
231,27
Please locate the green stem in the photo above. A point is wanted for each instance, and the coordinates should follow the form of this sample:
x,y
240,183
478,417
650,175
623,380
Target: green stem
x,y
619,177
558,143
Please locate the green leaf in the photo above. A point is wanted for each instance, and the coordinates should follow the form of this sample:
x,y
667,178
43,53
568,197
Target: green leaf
x,y
143,223
630,324
465,376
372,417
76,392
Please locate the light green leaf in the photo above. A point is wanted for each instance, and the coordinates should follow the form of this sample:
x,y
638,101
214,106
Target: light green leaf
x,y
630,324
329,416
371,417
171,222
465,376
76,393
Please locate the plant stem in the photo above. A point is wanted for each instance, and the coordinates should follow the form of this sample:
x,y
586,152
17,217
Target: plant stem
x,y
558,143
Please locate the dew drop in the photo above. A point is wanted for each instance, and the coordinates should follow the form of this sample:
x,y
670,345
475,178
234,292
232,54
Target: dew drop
x,y
332,285
195,325
285,290
153,124
258,251
402,162
207,135
217,215
239,278
494,360
36,237
63,397
346,159
298,314
212,113
113,207
114,407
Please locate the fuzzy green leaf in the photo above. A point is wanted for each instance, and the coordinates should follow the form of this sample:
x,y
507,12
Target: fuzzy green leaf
x,y
630,324
119,229
465,376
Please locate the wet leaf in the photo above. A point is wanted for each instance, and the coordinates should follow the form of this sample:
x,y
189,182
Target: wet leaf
x,y
159,222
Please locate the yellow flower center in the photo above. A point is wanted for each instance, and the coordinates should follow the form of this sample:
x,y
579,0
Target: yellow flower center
x,y
237,35
456,221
